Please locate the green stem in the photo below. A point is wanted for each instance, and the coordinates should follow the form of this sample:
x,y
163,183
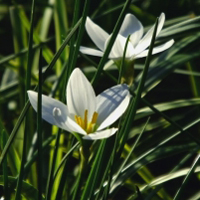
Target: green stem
x,y
84,154
50,178
39,130
5,170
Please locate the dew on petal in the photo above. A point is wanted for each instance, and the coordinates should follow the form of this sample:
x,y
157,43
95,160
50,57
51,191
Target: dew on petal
x,y
57,112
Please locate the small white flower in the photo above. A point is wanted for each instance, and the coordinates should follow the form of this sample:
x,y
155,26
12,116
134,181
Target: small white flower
x,y
85,113
137,44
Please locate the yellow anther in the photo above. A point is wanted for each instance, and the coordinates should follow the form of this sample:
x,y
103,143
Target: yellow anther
x,y
83,123
76,119
94,118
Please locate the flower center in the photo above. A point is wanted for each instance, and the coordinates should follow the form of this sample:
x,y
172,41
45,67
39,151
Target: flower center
x,y
89,127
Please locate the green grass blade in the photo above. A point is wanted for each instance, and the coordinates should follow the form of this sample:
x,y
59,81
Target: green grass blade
x,y
20,42
14,132
28,191
130,169
5,169
26,107
35,154
179,194
171,176
30,51
147,111
21,173
65,165
46,20
47,53
12,157
130,153
61,27
39,131
194,79
69,64
6,59
64,159
74,51
183,26
96,166
135,101
178,127
165,177
51,172
25,136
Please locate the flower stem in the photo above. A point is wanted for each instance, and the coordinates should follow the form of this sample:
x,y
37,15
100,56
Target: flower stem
x,y
128,73
84,155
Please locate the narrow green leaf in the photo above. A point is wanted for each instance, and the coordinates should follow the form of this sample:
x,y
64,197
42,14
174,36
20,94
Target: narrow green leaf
x,y
91,181
135,101
129,170
146,111
26,107
28,191
130,153
64,159
30,51
39,130
170,176
13,159
181,190
5,169
51,172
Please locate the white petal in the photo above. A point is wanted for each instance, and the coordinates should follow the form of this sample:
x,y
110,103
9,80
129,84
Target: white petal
x,y
72,125
118,48
48,106
96,33
80,95
131,26
157,49
101,134
89,51
146,40
111,104
55,112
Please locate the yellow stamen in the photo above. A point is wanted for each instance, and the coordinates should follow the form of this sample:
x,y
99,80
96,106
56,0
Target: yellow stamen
x,y
85,119
76,119
94,118
83,123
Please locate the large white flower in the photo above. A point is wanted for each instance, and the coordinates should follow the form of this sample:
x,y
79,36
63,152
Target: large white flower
x,y
85,113
137,44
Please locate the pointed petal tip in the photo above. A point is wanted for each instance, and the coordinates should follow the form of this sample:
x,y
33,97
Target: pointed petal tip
x,y
162,14
76,70
157,49
96,33
30,92
80,94
32,95
90,51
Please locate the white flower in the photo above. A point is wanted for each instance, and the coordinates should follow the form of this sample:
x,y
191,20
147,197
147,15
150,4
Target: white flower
x,y
137,44
85,113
